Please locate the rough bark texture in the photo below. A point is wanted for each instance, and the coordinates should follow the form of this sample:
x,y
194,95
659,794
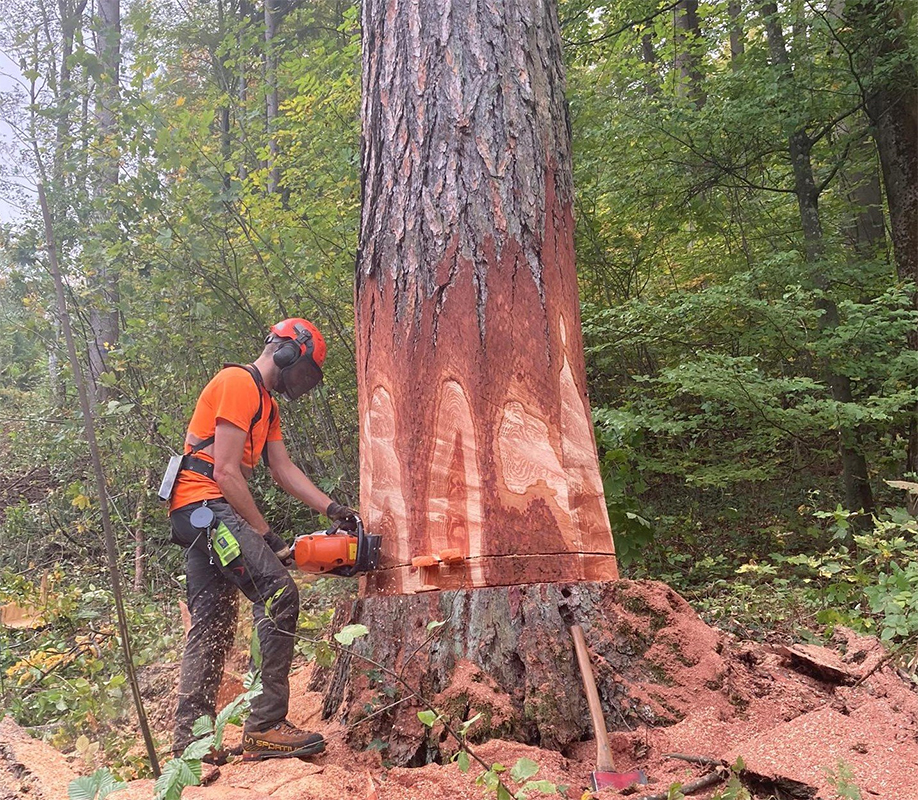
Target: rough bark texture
x,y
508,655
271,96
476,434
858,494
649,59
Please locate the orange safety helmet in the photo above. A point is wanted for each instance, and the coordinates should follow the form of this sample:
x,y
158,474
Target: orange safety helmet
x,y
312,344
299,357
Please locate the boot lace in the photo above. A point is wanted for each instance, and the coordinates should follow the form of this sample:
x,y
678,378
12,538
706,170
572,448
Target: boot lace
x,y
285,726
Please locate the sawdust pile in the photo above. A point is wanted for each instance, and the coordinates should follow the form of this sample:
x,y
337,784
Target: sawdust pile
x,y
800,717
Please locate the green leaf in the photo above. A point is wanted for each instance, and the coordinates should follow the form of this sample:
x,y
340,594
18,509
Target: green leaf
x,y
202,726
197,750
325,656
94,787
502,793
272,599
523,769
543,787
428,717
348,633
464,727
462,759
434,624
177,774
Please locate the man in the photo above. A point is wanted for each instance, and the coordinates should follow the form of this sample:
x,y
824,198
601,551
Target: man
x,y
230,546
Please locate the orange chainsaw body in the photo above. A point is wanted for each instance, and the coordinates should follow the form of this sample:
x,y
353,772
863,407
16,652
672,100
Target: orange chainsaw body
x,y
321,552
341,551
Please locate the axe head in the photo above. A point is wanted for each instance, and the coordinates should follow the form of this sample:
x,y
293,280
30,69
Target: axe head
x,y
617,780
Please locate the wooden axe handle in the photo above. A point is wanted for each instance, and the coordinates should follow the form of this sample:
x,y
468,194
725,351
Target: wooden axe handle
x,y
604,761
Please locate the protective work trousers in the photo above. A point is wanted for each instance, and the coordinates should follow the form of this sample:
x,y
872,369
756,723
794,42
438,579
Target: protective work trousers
x,y
214,573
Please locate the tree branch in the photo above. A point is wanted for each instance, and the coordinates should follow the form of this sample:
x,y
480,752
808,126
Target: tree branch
x,y
632,24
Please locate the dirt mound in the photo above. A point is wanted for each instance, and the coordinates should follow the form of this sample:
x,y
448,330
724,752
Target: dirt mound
x,y
806,721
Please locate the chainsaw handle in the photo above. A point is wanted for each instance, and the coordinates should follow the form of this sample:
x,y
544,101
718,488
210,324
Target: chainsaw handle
x,y
338,525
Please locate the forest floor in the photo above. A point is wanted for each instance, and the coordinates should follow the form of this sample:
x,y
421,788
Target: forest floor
x,y
806,722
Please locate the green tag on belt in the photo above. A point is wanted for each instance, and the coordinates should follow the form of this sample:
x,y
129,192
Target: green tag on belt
x,y
225,544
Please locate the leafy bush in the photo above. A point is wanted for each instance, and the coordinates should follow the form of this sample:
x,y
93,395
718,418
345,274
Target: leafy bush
x,y
66,676
867,581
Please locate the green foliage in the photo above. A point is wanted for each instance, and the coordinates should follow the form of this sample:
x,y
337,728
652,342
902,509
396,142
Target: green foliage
x,y
867,581
97,786
349,633
67,673
842,780
178,773
709,345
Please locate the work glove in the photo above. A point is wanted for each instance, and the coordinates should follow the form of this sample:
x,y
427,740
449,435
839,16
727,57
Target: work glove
x,y
344,516
279,548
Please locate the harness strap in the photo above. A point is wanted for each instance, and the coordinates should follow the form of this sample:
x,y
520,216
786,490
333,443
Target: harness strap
x,y
205,468
198,465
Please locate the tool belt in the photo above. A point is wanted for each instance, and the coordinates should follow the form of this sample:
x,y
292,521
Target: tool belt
x,y
198,465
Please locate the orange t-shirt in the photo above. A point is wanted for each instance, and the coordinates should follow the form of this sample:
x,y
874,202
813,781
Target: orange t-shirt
x,y
231,395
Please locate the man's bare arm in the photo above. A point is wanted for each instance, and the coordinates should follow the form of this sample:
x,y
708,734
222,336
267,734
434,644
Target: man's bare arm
x,y
293,480
229,444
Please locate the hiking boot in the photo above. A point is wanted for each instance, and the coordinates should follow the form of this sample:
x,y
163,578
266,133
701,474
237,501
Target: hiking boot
x,y
280,741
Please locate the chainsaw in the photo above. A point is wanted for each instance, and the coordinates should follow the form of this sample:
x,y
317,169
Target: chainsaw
x,y
338,551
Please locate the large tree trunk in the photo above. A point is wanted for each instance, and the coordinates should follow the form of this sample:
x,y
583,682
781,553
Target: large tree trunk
x,y
478,461
858,494
476,435
506,653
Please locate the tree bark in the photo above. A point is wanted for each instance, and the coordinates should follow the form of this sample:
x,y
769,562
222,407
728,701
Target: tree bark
x,y
890,82
476,437
506,653
104,319
687,61
271,97
649,59
737,35
858,494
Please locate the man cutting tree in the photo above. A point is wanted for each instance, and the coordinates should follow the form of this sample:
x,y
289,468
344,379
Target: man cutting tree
x,y
229,544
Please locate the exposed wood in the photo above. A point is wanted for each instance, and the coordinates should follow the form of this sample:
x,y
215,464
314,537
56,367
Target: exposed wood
x,y
476,432
816,661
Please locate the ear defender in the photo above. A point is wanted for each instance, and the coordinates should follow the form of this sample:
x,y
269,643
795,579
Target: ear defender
x,y
291,350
